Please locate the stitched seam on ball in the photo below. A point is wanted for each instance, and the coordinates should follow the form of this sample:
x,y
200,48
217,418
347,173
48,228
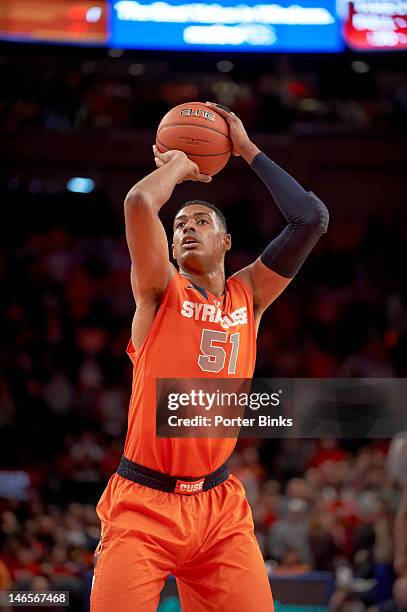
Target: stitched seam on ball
x,y
195,154
186,104
203,127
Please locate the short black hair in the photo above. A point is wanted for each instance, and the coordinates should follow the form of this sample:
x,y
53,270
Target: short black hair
x,y
218,212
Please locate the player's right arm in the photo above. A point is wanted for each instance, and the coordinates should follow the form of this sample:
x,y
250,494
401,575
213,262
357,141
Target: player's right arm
x,y
151,269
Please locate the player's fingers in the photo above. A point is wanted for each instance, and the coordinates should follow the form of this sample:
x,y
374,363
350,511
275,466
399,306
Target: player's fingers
x,y
164,157
158,162
157,152
223,111
204,178
222,108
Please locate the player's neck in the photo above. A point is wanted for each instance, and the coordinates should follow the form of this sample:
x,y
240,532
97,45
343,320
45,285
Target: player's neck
x,y
213,281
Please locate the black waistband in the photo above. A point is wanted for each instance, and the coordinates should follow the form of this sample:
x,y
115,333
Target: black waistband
x,y
170,484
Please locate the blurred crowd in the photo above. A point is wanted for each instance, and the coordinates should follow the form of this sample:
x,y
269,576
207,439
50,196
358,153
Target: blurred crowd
x,y
45,547
327,507
272,95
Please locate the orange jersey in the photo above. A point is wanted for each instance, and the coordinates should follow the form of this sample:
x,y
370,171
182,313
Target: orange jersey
x,y
192,336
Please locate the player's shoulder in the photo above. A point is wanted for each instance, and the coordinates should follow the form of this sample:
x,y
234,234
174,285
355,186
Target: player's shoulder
x,y
240,281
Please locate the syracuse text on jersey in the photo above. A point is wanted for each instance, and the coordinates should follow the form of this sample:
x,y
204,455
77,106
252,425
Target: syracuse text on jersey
x,y
213,314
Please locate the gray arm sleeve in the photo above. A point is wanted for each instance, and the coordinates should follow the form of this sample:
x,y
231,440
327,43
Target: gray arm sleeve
x,y
307,218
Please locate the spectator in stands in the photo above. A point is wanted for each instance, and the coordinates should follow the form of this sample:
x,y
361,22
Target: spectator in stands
x,y
399,601
290,532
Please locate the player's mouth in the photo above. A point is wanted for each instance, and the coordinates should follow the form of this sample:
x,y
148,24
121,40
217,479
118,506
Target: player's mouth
x,y
189,242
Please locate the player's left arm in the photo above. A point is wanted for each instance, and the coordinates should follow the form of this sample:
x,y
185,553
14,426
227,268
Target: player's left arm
x,y
307,219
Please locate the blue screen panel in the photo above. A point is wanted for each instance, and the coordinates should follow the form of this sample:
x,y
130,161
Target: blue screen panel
x,y
248,25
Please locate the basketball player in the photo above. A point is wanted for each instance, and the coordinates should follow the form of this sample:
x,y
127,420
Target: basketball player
x,y
152,525
397,470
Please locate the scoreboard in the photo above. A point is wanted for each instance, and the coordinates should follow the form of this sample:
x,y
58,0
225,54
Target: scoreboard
x,y
54,21
371,24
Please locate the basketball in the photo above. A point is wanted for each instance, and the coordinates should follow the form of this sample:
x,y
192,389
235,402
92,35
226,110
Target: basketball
x,y
200,132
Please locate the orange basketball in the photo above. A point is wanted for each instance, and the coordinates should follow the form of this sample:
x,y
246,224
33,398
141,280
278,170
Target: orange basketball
x,y
199,132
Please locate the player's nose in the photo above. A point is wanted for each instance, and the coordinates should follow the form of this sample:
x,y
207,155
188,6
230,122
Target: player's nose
x,y
188,226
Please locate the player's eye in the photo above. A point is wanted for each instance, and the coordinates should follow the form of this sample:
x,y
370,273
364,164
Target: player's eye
x,y
180,224
202,221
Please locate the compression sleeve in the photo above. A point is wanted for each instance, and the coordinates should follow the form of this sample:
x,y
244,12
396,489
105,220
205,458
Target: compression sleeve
x,y
307,218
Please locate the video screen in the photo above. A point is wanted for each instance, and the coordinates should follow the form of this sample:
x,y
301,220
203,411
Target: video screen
x,y
253,25
67,21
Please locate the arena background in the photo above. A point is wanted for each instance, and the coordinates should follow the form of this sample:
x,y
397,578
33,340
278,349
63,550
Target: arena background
x,y
77,127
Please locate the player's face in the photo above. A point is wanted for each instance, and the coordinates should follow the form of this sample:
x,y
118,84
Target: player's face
x,y
199,240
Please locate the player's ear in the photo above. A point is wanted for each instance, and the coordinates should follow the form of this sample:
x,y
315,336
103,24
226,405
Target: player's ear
x,y
173,250
227,241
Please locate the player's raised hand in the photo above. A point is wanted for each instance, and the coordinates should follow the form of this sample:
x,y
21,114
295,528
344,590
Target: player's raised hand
x,y
189,169
242,145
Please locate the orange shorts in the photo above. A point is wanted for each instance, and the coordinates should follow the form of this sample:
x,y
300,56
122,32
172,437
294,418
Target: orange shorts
x,y
205,540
